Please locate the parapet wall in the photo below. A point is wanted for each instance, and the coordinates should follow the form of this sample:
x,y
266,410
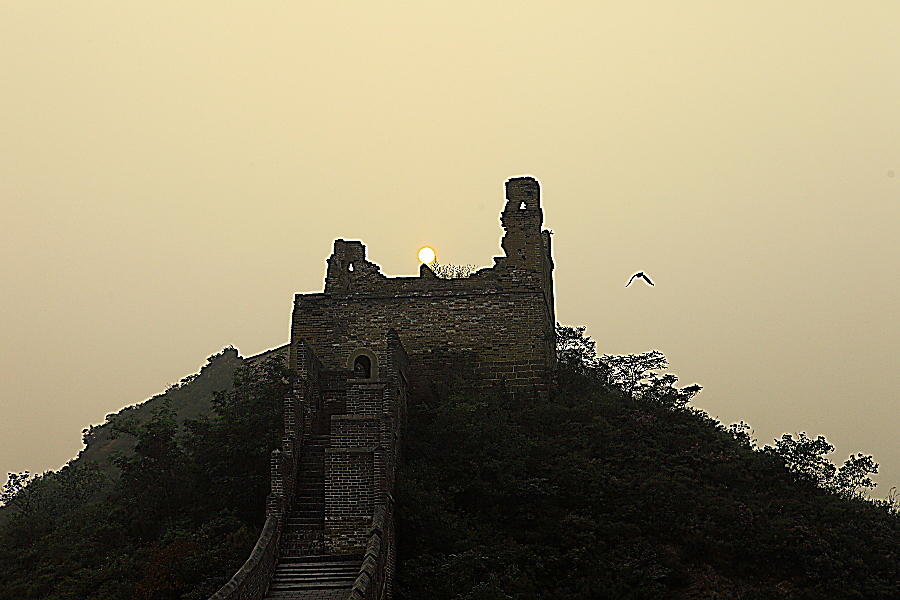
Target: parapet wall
x,y
252,579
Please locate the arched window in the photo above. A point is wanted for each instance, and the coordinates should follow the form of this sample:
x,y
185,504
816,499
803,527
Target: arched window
x,y
362,367
363,363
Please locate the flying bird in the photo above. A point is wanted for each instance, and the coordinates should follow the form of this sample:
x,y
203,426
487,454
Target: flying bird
x,y
641,275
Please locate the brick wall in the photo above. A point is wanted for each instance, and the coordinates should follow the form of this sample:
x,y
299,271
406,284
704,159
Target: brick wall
x,y
349,498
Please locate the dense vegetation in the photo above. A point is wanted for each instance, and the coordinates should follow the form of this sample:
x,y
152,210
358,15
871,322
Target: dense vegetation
x,y
615,488
176,524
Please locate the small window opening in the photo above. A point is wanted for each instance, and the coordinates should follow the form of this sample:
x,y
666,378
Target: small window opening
x,y
522,206
362,367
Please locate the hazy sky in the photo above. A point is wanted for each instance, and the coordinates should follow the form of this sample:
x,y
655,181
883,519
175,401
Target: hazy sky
x,y
172,173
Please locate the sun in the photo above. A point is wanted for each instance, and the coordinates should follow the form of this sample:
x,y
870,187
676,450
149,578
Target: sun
x,y
426,255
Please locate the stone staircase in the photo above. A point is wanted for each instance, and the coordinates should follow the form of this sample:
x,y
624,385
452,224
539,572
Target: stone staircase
x,y
304,571
317,577
303,532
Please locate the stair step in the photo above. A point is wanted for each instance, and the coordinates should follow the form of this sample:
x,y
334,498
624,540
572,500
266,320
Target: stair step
x,y
304,563
282,578
305,519
324,585
317,569
357,557
303,568
286,579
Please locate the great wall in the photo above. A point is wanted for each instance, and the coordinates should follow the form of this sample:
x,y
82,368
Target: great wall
x,y
358,351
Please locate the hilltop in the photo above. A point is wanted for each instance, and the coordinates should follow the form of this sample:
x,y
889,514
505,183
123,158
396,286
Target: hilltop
x,y
175,509
604,490
190,398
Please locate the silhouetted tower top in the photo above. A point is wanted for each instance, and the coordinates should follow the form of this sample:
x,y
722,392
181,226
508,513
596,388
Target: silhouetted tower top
x,y
527,247
522,218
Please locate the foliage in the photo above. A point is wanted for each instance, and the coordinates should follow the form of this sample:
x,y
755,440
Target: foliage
x,y
16,494
635,375
155,478
51,493
452,271
742,434
854,474
631,372
180,521
806,458
612,488
231,452
575,352
597,493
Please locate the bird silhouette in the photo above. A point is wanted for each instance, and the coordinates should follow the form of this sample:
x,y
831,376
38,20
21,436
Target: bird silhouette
x,y
641,275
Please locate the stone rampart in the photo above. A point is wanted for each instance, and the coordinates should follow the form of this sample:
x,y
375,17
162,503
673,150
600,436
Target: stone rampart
x,y
376,575
252,579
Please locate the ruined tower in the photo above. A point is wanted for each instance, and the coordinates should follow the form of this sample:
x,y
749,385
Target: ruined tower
x,y
498,323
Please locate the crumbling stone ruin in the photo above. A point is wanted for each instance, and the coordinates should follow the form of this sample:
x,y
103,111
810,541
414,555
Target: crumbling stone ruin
x,y
359,349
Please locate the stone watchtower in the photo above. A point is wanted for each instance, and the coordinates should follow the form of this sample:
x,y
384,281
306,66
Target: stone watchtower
x,y
498,323
359,349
